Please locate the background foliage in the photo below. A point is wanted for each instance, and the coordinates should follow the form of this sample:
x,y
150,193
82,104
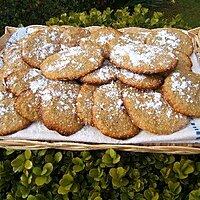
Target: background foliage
x,y
28,12
120,18
96,175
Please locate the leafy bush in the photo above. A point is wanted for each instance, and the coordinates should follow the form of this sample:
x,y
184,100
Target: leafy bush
x,y
96,175
141,17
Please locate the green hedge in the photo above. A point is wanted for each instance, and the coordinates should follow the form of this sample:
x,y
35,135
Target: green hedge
x,y
26,12
120,18
96,175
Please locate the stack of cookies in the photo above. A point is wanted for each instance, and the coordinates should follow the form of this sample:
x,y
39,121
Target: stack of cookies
x,y
119,81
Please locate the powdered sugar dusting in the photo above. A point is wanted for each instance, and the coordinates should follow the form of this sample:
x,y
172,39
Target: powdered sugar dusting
x,y
139,54
103,39
105,73
151,102
185,88
167,39
130,75
66,57
1,62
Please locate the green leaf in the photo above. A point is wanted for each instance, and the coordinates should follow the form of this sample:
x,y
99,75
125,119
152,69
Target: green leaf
x,y
41,180
58,156
47,169
194,195
31,197
28,164
37,171
18,163
66,180
27,154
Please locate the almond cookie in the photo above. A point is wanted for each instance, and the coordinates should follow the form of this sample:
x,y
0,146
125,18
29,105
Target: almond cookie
x,y
109,114
140,81
150,112
73,62
136,33
58,107
84,103
172,39
182,91
103,36
10,120
104,74
142,58
41,44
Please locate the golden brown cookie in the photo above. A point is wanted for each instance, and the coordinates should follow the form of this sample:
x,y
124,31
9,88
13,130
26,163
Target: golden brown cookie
x,y
104,36
104,74
172,39
136,33
12,59
58,107
71,36
182,91
84,103
41,44
109,114
140,81
142,58
93,28
27,79
184,62
27,104
73,62
150,112
10,120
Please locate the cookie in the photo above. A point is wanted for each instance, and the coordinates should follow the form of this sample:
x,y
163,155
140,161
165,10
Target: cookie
x,y
21,33
41,44
150,112
109,114
72,36
27,79
10,120
28,86
93,28
73,62
84,103
140,81
172,39
58,107
136,33
184,63
103,36
12,59
142,58
27,104
1,67
182,91
104,74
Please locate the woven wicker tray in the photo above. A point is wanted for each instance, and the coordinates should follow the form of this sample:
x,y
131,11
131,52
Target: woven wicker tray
x,y
180,148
